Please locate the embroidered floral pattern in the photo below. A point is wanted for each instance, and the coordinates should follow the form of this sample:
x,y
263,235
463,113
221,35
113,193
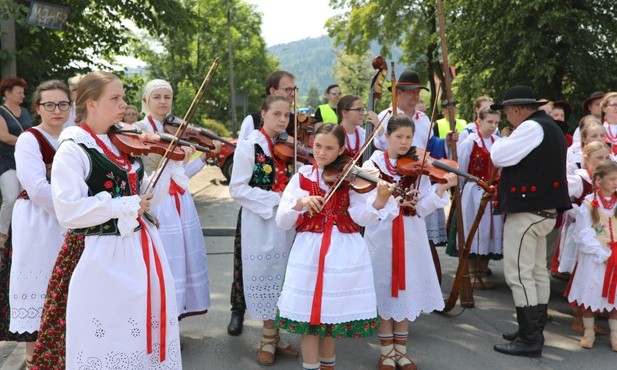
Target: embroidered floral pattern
x,y
352,329
49,351
116,186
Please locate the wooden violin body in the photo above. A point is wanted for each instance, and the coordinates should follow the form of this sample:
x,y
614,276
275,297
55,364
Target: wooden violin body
x,y
128,139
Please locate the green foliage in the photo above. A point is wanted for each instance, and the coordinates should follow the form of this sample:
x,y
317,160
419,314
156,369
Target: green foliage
x,y
95,32
218,127
562,49
184,58
313,98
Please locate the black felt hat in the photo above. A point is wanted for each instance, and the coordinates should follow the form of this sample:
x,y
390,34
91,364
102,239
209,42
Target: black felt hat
x,y
595,95
408,80
518,95
567,108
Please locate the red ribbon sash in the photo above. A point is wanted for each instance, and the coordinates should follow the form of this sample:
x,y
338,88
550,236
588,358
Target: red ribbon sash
x,y
175,189
145,247
323,250
610,276
398,254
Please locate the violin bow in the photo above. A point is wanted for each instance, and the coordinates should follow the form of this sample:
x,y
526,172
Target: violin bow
x,y
375,91
430,130
354,160
184,124
295,133
393,88
467,294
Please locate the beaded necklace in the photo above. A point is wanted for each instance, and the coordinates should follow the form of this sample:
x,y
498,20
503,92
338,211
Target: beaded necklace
x,y
348,142
121,160
392,170
607,204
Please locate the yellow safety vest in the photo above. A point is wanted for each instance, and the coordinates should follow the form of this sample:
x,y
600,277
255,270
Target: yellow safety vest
x,y
443,125
327,114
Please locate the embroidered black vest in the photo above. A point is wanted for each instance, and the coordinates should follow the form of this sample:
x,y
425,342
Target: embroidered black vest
x,y
264,171
538,181
107,176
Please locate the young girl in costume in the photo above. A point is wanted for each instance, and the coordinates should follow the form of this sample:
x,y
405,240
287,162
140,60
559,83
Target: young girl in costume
x,y
350,112
594,282
474,157
32,254
405,277
580,184
258,178
121,310
329,256
179,225
591,130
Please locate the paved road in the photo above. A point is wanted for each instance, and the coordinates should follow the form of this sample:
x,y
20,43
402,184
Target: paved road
x,y
435,341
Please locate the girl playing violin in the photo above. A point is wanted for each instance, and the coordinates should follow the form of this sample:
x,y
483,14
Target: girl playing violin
x,y
120,310
474,155
405,276
257,180
329,255
350,112
179,225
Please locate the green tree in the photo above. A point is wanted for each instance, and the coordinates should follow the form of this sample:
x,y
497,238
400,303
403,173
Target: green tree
x,y
561,48
187,57
313,98
412,25
95,32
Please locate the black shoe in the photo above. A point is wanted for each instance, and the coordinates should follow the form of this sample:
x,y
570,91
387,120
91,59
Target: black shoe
x,y
542,318
235,324
527,343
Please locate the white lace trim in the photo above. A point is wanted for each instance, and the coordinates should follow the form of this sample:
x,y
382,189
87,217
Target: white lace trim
x,y
127,222
80,136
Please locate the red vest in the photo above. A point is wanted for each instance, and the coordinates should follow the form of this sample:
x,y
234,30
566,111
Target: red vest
x,y
335,209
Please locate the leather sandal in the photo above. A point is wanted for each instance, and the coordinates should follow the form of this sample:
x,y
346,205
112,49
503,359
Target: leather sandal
x,y
288,351
264,356
382,359
579,328
588,339
408,365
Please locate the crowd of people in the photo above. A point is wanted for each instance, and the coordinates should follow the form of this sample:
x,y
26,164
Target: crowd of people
x,y
122,259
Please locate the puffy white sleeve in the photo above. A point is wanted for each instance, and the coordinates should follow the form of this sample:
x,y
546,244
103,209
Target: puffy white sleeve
x,y
362,211
428,200
464,154
380,141
261,202
74,207
585,236
510,150
193,167
286,216
246,127
31,171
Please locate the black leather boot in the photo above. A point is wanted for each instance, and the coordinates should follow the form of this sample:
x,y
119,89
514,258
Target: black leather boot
x,y
235,324
528,341
542,319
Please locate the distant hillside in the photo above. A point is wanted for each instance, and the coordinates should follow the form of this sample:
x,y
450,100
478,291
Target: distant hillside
x,y
311,60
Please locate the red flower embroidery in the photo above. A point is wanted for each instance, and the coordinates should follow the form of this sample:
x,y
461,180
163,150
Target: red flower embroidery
x,y
108,184
261,158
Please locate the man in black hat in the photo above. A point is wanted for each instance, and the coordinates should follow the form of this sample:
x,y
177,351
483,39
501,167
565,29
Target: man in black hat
x,y
408,89
591,106
532,190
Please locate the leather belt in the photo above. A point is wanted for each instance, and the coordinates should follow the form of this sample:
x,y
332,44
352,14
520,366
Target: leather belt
x,y
545,214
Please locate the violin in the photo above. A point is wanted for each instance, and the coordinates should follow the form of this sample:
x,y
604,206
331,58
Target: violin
x,y
284,150
418,162
359,179
306,129
193,134
128,139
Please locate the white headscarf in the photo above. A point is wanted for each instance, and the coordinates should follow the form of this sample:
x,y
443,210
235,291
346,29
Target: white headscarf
x,y
149,89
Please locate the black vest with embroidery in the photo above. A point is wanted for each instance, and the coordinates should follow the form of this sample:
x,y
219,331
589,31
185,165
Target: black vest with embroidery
x,y
108,177
264,170
538,181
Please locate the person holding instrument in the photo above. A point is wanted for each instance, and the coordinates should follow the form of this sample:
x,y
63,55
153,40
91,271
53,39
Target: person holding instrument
x,y
280,83
257,180
405,278
474,156
329,255
179,225
121,307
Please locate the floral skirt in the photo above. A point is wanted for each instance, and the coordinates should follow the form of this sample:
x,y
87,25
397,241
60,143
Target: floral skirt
x,y
50,347
352,329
